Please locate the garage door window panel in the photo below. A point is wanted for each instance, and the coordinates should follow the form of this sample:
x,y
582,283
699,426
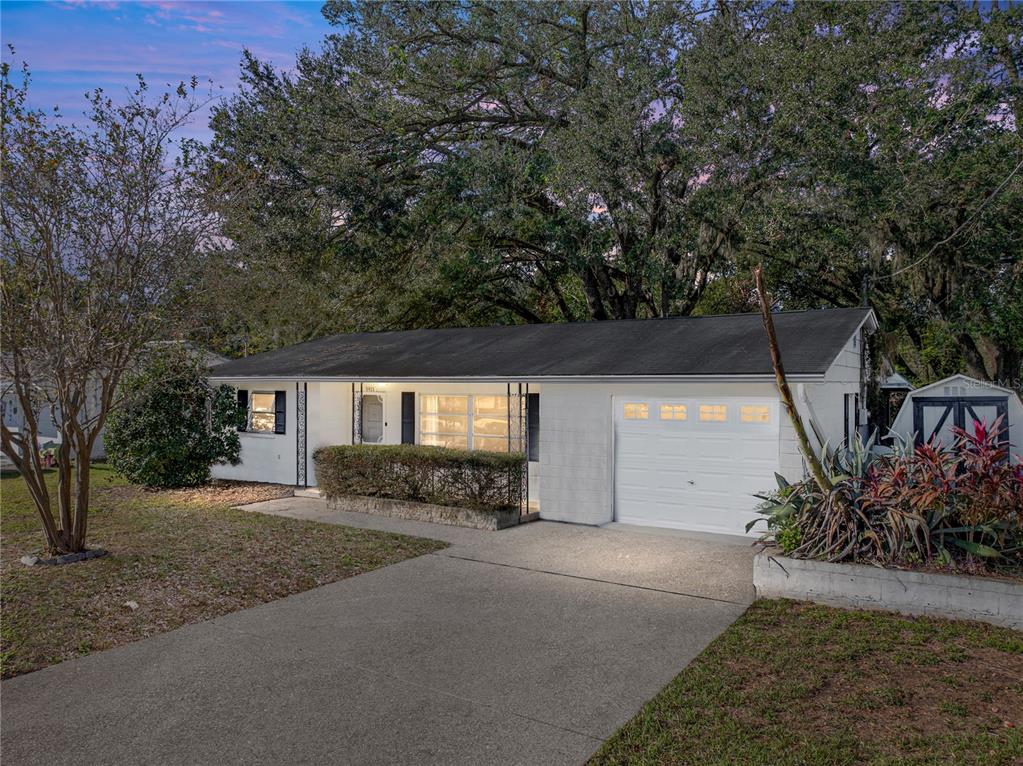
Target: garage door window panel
x,y
636,411
674,412
755,413
713,413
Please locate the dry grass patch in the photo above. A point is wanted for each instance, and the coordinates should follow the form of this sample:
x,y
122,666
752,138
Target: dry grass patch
x,y
231,493
794,683
183,556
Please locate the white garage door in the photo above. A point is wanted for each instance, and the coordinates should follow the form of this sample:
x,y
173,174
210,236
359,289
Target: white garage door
x,y
693,463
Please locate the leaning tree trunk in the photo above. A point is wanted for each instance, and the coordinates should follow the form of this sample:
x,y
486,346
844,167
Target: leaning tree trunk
x,y
783,386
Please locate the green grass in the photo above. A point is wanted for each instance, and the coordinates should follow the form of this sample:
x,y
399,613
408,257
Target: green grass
x,y
799,684
183,556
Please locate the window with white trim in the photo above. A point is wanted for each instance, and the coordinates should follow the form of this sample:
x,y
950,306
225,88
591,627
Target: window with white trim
x,y
674,412
714,413
636,411
262,412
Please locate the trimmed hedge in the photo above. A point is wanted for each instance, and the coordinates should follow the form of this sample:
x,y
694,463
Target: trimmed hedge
x,y
486,481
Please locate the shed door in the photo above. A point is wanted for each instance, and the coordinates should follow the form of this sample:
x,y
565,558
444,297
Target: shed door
x,y
693,463
934,417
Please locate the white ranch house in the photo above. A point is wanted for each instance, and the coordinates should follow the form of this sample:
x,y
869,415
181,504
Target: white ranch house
x,y
662,422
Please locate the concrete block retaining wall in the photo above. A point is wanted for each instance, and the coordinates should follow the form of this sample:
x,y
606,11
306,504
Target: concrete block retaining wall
x,y
867,587
439,514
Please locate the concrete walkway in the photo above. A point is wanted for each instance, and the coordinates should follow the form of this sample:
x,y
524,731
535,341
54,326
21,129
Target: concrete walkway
x,y
529,645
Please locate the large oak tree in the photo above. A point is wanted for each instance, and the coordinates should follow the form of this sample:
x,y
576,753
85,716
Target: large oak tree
x,y
471,162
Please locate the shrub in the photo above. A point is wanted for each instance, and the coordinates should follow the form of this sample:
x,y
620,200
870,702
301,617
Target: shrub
x,y
480,480
172,425
923,504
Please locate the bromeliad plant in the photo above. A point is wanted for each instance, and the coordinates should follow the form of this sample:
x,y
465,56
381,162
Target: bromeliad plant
x,y
927,503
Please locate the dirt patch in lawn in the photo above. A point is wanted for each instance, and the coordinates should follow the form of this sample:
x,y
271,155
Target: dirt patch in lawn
x,y
232,493
176,557
218,493
794,683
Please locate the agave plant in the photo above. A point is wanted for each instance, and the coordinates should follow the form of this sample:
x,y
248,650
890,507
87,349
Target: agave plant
x,y
807,522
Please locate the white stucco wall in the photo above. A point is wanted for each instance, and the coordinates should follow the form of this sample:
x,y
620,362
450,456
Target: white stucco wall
x,y
826,399
266,457
328,420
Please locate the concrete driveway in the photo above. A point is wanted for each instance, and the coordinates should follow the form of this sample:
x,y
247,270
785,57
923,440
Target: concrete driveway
x,y
530,645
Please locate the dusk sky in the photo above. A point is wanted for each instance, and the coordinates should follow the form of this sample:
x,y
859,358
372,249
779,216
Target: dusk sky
x,y
72,46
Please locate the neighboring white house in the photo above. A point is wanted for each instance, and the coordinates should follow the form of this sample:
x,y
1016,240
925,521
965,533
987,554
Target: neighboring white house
x,y
47,421
930,413
665,422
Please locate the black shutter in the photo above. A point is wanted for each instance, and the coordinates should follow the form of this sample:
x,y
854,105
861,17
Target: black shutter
x,y
408,417
243,405
280,399
533,426
845,418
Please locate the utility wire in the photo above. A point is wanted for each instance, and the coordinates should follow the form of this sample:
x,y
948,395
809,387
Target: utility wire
x,y
959,229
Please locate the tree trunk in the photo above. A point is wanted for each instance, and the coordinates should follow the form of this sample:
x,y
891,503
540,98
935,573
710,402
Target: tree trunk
x,y
594,299
783,387
83,466
64,488
25,456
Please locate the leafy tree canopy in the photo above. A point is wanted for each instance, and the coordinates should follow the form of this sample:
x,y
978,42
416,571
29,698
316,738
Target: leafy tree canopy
x,y
468,162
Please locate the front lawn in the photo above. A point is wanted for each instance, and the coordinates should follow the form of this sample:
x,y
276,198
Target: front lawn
x,y
182,556
794,683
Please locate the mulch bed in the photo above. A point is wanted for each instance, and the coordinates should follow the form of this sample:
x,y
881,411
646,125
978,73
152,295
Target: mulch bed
x,y
232,493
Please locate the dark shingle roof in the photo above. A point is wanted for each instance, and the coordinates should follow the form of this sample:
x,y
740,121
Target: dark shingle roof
x,y
733,344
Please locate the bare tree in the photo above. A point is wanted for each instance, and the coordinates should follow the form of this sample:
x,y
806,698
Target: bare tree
x,y
99,227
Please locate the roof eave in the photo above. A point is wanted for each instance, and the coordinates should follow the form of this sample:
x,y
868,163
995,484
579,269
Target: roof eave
x,y
717,378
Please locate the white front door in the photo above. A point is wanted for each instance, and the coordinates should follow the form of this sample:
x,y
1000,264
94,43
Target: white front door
x,y
693,463
372,419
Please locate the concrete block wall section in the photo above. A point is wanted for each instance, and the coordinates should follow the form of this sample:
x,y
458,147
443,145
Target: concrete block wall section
x,y
867,587
575,453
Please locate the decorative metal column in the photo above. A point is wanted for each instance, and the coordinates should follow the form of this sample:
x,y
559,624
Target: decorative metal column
x,y
301,436
507,405
356,414
524,445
